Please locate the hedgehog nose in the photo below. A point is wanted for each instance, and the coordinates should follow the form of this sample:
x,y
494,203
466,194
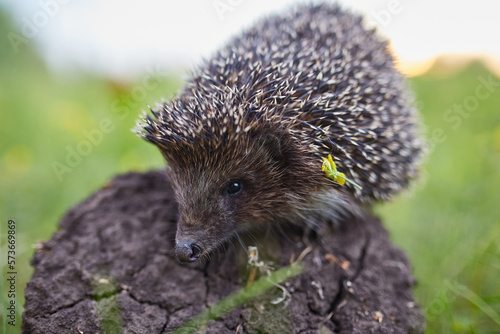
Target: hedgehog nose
x,y
187,251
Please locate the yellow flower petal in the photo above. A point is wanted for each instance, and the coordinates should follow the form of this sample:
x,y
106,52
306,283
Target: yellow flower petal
x,y
340,179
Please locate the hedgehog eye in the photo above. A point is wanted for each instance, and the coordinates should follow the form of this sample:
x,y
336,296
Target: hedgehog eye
x,y
234,187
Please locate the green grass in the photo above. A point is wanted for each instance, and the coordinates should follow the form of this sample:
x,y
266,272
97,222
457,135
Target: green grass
x,y
242,296
449,225
42,117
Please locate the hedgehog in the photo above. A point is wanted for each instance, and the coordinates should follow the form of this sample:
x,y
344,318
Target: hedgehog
x,y
245,139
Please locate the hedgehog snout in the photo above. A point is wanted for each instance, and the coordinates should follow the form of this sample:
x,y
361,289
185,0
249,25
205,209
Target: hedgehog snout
x,y
187,251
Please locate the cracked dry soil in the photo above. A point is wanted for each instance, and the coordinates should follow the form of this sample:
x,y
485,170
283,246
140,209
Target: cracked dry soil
x,y
111,268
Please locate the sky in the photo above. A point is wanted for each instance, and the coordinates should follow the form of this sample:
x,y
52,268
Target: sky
x,y
121,38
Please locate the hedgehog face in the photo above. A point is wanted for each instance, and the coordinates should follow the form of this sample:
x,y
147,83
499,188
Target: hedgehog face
x,y
225,192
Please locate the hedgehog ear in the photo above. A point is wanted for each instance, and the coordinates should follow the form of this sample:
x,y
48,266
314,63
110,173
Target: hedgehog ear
x,y
273,145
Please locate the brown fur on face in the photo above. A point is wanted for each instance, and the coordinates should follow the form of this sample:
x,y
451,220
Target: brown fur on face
x,y
274,186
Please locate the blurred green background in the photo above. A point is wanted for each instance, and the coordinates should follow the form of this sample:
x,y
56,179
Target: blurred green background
x,y
64,136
